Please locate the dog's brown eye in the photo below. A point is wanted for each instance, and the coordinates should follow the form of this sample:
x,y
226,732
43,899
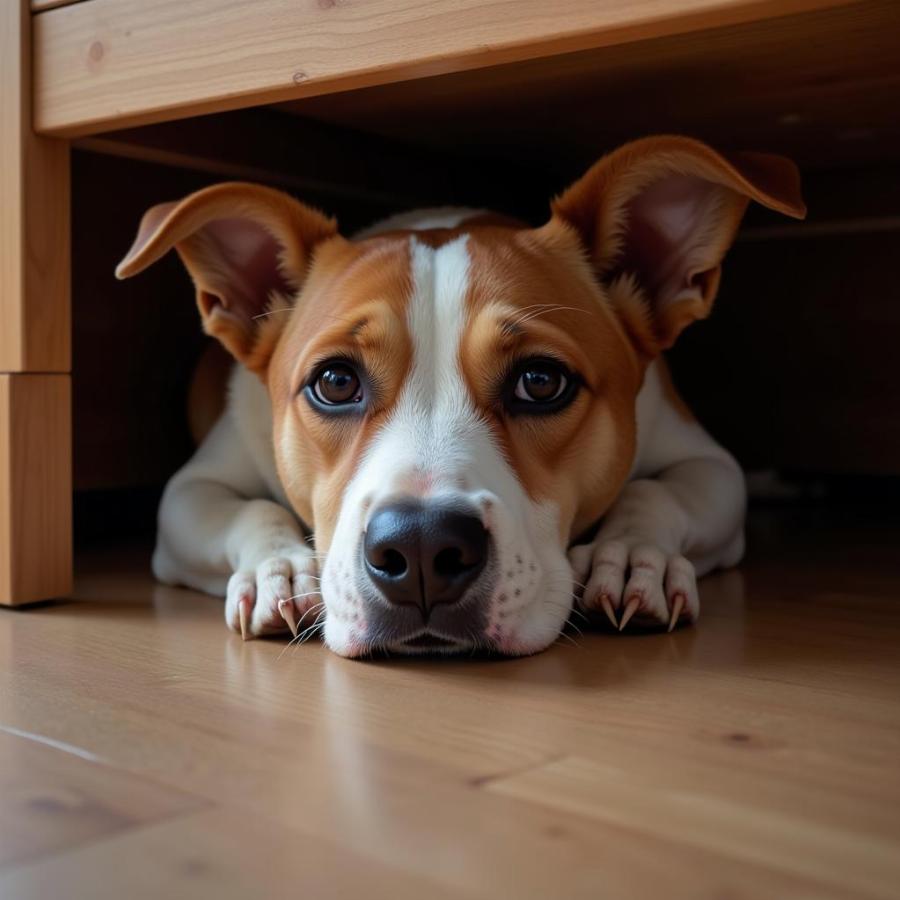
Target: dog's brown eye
x,y
541,382
337,384
540,386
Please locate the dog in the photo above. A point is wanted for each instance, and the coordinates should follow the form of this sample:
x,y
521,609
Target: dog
x,y
426,418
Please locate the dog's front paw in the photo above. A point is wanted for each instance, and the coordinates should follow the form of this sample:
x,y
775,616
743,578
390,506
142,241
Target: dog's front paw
x,y
636,583
280,593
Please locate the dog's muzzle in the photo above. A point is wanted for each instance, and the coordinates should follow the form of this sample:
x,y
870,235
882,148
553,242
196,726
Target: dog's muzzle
x,y
426,561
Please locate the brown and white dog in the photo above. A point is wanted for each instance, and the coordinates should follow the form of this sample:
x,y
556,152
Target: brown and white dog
x,y
428,415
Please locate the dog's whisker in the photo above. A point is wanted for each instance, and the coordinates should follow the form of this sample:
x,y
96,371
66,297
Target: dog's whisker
x,y
271,312
570,639
566,607
290,643
564,604
317,608
543,307
284,649
311,630
577,612
304,594
550,308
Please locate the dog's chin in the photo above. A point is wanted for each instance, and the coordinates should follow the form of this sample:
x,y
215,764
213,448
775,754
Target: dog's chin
x,y
427,643
353,644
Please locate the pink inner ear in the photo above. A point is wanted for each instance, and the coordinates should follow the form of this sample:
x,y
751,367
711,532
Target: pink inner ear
x,y
670,235
246,256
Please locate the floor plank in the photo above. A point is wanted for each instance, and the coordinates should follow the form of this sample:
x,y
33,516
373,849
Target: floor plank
x,y
721,812
754,755
58,797
213,853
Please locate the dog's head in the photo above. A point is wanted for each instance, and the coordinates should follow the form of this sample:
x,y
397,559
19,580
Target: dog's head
x,y
453,406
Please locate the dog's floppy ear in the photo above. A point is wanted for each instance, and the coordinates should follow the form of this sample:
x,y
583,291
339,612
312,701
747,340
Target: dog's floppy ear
x,y
243,245
657,217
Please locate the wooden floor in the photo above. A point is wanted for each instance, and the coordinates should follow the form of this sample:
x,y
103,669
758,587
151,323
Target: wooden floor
x,y
147,752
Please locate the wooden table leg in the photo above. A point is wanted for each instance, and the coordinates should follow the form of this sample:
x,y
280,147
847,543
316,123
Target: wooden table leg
x,y
35,342
35,487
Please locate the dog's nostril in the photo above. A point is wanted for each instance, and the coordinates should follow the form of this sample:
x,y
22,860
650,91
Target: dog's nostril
x,y
450,562
392,563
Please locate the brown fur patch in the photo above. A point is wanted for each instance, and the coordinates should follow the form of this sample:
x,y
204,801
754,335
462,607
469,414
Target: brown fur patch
x,y
532,295
352,306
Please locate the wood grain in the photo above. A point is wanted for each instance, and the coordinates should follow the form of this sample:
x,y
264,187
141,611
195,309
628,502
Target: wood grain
x,y
34,216
134,61
752,756
35,487
822,87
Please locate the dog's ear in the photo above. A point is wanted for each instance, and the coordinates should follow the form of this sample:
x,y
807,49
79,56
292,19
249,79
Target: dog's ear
x,y
657,217
245,247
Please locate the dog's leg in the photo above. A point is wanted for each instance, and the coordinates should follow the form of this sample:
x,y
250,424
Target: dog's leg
x,y
214,538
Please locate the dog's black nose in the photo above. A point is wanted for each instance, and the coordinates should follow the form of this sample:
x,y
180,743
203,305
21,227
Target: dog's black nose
x,y
421,554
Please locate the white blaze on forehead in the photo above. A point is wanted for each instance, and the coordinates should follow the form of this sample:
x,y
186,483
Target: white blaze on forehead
x,y
435,435
436,392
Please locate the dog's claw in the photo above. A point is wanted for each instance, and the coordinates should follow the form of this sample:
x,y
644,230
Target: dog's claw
x,y
286,608
630,609
677,607
606,606
244,614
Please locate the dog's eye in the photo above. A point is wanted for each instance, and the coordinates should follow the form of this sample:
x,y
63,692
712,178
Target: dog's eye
x,y
337,384
541,382
540,386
